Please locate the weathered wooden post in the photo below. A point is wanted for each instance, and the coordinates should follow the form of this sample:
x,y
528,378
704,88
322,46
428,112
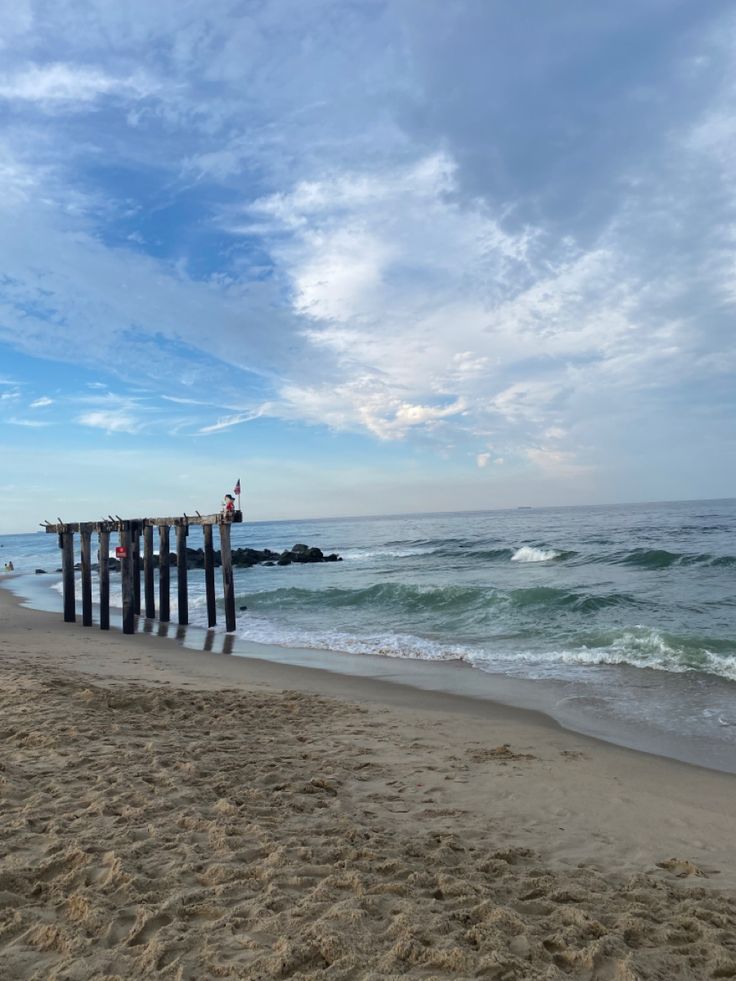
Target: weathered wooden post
x,y
130,531
86,555
164,574
66,542
228,586
209,575
148,571
182,530
126,578
135,534
104,566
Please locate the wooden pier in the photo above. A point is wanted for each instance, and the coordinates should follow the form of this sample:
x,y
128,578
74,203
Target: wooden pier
x,y
129,532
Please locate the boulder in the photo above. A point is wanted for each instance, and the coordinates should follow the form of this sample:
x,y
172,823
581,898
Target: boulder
x,y
195,558
243,557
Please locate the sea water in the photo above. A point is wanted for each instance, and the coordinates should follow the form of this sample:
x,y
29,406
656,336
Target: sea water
x,y
624,612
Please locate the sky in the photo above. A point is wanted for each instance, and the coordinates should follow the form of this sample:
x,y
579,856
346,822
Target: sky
x,y
368,256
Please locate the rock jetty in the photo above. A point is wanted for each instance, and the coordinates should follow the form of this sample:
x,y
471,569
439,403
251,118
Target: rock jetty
x,y
246,557
254,556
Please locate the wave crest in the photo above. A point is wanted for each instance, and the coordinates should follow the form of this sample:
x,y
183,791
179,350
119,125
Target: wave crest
x,y
660,558
528,553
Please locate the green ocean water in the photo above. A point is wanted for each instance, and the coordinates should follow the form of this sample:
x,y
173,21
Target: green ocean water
x,y
646,585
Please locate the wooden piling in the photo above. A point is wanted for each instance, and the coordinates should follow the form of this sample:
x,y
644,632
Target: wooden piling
x,y
135,535
104,565
181,573
126,578
86,555
67,570
148,572
130,531
164,574
209,575
227,577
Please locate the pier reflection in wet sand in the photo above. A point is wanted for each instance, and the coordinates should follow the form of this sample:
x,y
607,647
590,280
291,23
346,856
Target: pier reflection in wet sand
x,y
194,638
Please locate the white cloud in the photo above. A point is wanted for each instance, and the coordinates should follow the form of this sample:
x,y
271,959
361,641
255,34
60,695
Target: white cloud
x,y
29,423
59,83
530,401
227,422
485,459
343,274
111,420
430,311
364,403
374,292
17,180
41,402
557,463
182,401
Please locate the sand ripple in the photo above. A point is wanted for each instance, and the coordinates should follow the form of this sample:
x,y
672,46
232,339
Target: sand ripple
x,y
151,832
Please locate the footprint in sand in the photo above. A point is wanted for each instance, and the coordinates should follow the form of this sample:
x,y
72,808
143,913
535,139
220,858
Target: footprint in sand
x,y
151,926
683,867
119,928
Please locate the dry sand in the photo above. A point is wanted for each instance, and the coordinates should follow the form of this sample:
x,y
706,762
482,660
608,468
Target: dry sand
x,y
171,814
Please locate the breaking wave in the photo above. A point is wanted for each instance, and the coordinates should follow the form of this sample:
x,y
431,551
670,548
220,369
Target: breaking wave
x,y
639,647
643,647
527,553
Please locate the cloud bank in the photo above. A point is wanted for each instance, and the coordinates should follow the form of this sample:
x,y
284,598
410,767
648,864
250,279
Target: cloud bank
x,y
421,223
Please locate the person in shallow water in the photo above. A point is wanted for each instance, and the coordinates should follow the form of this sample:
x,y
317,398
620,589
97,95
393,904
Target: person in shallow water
x,y
9,567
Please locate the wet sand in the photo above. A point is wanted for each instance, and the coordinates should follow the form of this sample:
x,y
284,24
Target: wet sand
x,y
178,814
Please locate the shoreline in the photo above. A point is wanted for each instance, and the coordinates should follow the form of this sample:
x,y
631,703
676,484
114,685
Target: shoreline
x,y
185,814
574,706
178,664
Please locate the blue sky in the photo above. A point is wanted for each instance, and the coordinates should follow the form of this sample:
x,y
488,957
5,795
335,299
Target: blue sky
x,y
367,255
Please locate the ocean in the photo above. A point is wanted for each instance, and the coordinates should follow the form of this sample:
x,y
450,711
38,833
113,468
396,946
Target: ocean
x,y
624,616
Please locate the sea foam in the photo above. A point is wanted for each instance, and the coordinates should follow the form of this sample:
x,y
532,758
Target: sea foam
x,y
528,553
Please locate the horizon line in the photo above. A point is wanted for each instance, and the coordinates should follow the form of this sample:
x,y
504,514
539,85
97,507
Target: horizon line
x,y
419,514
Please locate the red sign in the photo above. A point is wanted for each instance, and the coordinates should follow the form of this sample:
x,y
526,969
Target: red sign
x,y
121,552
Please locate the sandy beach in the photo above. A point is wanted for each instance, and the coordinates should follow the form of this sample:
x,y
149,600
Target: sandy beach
x,y
177,814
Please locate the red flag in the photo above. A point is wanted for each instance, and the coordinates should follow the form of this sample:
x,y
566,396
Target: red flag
x,y
237,487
